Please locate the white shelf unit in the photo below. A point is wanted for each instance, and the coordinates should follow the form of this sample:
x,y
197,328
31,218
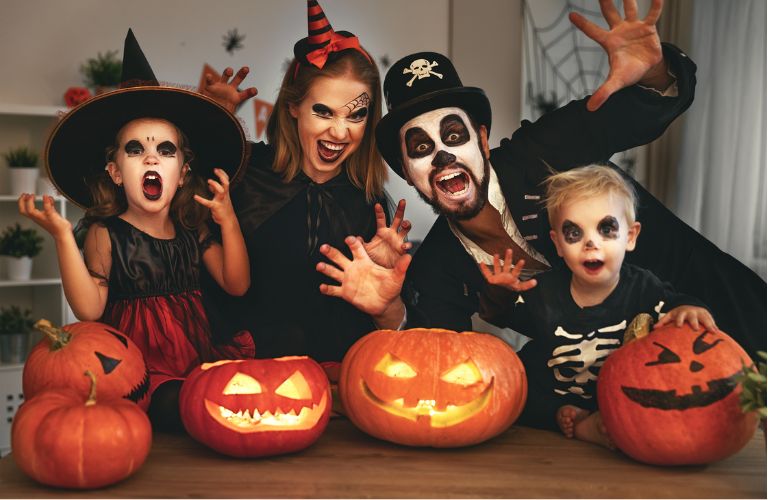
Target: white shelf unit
x,y
25,125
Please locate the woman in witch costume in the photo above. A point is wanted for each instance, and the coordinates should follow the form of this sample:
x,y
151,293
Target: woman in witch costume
x,y
317,181
148,231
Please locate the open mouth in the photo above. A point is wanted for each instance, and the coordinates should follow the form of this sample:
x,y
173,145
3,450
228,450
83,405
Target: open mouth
x,y
261,421
438,417
453,184
593,266
152,185
330,151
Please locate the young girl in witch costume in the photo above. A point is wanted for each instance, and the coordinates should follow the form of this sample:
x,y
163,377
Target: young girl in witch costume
x,y
148,231
317,181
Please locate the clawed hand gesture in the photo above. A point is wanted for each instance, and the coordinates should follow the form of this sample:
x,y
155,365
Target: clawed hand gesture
x,y
48,218
388,244
221,204
225,91
366,285
505,275
632,45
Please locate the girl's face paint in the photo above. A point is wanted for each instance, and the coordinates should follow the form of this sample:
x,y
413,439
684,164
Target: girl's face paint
x,y
331,124
148,164
593,236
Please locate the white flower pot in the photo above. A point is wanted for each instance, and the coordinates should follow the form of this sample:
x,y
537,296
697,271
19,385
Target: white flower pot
x,y
23,180
18,268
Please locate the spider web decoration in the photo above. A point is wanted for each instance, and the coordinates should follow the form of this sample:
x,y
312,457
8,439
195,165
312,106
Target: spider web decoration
x,y
560,62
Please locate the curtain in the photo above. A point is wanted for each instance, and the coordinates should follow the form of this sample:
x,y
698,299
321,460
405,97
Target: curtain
x,y
719,188
663,155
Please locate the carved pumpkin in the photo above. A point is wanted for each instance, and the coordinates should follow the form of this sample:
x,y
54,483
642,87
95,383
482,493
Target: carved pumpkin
x,y
256,407
59,359
431,387
62,438
671,398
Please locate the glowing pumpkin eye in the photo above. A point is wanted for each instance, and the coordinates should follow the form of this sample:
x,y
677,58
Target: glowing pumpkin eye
x,y
242,384
295,387
665,356
392,366
464,374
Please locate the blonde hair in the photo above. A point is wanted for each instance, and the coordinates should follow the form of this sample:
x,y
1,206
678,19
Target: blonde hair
x,y
109,199
586,182
364,167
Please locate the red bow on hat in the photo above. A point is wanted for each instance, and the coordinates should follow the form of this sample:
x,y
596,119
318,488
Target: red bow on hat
x,y
318,57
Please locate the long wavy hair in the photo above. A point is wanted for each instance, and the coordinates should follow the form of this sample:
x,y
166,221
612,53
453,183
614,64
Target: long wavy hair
x,y
109,199
365,168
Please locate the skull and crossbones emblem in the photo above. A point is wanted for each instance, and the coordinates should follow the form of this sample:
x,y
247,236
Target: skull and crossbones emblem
x,y
421,68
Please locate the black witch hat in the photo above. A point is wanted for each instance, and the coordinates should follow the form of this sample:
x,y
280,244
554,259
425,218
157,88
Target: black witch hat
x,y
75,151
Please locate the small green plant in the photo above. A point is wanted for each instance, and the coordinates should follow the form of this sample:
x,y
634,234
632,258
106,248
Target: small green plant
x,y
18,242
104,70
752,396
21,157
15,320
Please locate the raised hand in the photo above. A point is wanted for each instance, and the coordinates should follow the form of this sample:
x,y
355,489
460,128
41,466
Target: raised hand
x,y
366,285
388,244
225,92
221,204
48,218
505,275
633,48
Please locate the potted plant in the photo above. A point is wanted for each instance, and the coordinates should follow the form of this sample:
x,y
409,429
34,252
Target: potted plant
x,y
103,72
22,164
15,328
20,246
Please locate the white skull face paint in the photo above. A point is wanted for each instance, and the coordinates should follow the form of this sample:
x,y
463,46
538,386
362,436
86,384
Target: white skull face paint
x,y
442,158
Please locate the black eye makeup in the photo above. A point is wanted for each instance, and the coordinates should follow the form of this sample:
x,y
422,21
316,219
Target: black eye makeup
x,y
358,115
166,148
418,144
321,110
133,147
453,131
608,228
571,232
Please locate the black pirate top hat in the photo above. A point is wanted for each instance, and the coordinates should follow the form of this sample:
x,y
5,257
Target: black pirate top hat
x,y
75,151
419,83
322,40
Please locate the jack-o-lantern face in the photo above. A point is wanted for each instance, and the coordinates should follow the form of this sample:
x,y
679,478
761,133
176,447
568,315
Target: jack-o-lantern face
x,y
432,387
60,359
250,408
672,398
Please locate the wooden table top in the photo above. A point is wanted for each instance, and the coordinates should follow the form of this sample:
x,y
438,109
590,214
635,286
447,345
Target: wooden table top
x,y
345,463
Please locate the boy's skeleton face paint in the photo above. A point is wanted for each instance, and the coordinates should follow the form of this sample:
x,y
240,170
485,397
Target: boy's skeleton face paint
x,y
593,235
443,159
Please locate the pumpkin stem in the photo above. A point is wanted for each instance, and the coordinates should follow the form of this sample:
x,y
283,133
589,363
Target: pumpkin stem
x,y
92,395
59,337
638,328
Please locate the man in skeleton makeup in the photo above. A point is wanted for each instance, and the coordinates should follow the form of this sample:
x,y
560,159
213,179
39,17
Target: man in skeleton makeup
x,y
577,315
435,135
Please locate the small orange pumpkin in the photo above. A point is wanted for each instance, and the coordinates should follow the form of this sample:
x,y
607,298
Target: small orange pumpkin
x,y
671,397
62,438
256,407
59,359
432,387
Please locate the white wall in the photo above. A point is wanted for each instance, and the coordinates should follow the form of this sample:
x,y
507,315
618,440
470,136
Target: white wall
x,y
43,43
